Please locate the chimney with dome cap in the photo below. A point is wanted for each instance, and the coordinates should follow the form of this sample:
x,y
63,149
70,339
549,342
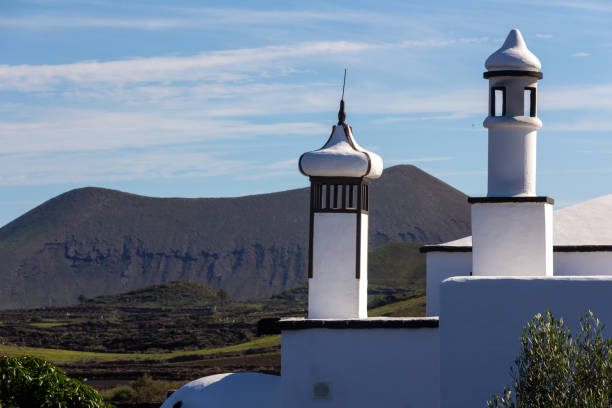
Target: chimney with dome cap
x,y
340,173
512,226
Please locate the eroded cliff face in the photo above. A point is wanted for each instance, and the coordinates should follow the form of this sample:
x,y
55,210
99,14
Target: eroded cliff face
x,y
93,267
94,241
245,272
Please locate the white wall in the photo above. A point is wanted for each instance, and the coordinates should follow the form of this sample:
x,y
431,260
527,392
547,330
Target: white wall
x,y
443,265
511,239
334,291
481,320
583,263
363,367
440,266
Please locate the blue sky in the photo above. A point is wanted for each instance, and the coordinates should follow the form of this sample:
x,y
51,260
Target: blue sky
x,y
205,99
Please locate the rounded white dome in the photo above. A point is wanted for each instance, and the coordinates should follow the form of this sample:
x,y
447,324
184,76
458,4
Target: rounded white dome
x,y
341,157
513,55
235,390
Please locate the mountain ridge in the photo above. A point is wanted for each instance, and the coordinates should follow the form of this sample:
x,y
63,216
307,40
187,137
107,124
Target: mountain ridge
x,y
93,241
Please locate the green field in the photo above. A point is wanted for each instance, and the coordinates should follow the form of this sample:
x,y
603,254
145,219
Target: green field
x,y
48,323
71,356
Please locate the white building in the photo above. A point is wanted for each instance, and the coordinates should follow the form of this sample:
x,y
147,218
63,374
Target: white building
x,y
481,290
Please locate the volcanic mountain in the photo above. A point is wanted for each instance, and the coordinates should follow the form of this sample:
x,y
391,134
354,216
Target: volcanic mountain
x,y
93,241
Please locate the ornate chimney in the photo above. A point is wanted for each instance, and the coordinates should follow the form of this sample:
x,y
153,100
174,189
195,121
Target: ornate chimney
x,y
512,227
340,173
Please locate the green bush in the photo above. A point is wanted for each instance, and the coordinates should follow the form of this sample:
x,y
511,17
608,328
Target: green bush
x,y
558,370
123,393
146,389
143,389
28,381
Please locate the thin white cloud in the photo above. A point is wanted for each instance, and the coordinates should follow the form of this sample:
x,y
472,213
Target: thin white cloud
x,y
87,130
47,21
73,130
194,118
213,100
163,69
577,97
580,54
103,166
239,99
363,101
451,104
55,130
544,36
241,16
206,66
112,166
202,18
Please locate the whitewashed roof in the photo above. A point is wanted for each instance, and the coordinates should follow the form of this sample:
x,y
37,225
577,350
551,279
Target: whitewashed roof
x,y
461,242
585,223
582,224
513,55
341,156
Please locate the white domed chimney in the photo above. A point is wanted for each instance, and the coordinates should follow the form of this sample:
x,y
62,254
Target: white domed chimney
x,y
513,73
339,173
512,227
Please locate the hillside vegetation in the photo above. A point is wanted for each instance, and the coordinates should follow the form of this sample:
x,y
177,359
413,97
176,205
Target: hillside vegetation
x,y
176,294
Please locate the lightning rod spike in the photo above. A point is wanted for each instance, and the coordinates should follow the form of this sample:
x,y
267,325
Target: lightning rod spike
x,y
341,113
343,84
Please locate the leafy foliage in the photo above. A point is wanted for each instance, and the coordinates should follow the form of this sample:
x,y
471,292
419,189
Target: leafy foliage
x,y
144,389
28,381
147,389
121,393
556,369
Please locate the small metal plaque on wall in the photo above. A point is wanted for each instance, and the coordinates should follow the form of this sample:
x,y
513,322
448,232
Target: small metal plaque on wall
x,y
321,390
